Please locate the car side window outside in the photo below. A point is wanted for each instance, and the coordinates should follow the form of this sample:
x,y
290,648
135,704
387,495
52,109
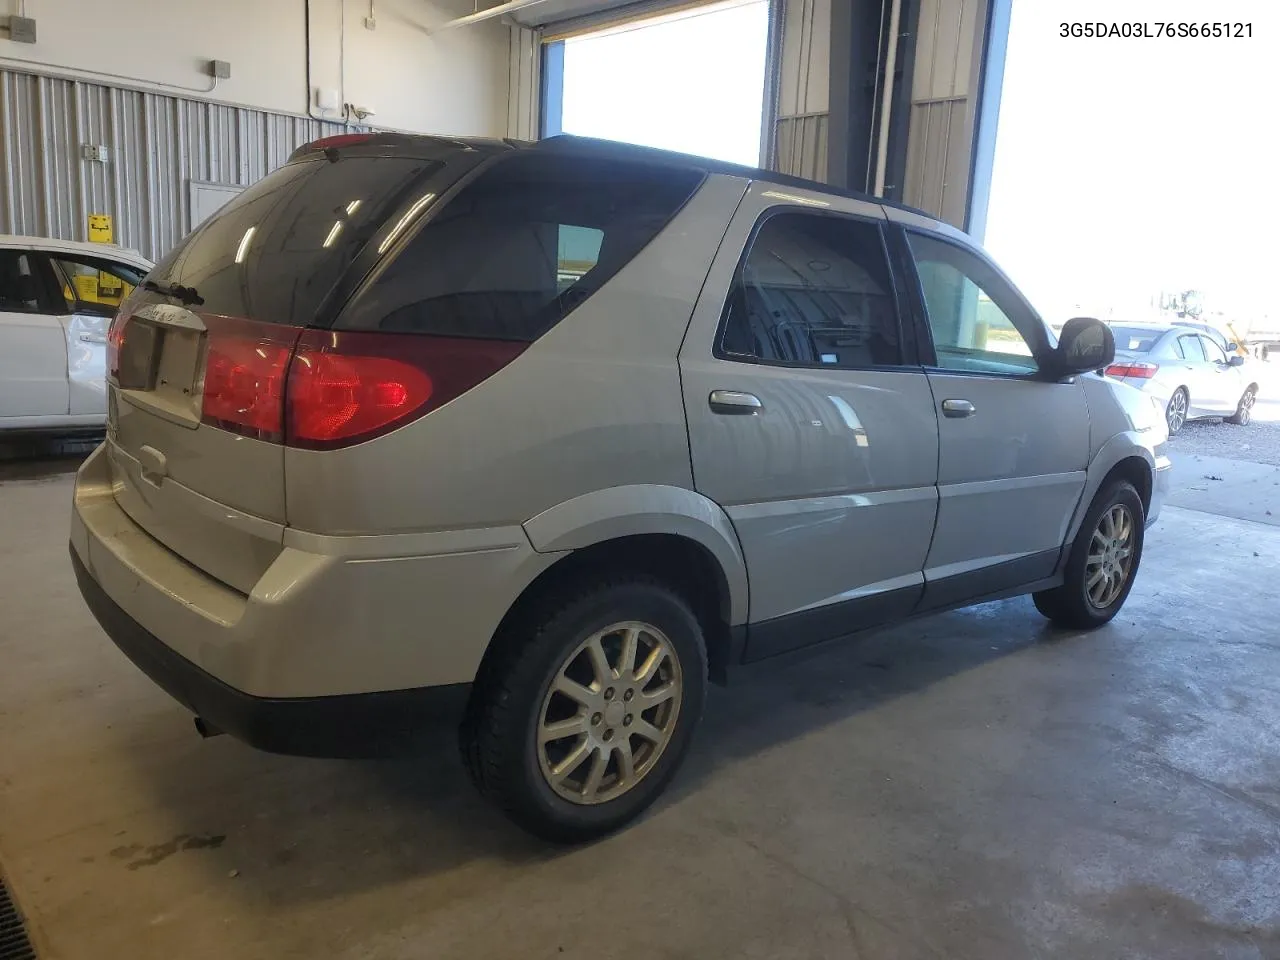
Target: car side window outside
x,y
1191,347
90,285
1212,350
979,325
1175,347
814,291
19,285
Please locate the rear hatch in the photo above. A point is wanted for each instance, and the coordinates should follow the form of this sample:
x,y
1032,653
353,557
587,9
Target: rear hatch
x,y
199,354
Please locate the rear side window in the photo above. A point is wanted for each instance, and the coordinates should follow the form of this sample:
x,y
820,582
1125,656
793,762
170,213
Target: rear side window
x,y
519,247
814,290
19,287
1191,348
274,252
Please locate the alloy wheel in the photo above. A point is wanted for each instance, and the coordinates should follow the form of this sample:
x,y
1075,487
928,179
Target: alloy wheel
x,y
1110,557
1245,412
609,713
1176,413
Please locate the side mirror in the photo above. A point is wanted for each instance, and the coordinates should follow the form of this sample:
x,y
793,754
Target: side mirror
x,y
1085,344
1235,360
1233,347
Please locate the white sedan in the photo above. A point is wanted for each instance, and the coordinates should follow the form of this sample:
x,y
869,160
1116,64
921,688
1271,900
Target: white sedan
x,y
57,299
1186,371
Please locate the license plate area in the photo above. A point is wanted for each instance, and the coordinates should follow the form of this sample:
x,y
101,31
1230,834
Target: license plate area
x,y
159,370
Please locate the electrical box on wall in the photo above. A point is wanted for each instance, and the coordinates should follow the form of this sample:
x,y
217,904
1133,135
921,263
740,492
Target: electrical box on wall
x,y
95,152
22,30
220,69
327,99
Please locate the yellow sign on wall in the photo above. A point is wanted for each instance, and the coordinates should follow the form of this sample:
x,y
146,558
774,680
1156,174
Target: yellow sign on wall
x,y
100,228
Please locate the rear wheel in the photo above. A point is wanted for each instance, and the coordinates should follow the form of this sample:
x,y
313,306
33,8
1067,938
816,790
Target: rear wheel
x,y
1103,561
1175,412
1244,410
587,716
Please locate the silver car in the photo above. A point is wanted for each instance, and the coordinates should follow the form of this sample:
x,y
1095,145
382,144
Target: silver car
x,y
1186,371
535,440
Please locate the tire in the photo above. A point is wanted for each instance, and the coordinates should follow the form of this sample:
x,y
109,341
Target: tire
x,y
1244,409
538,785
1175,411
1072,605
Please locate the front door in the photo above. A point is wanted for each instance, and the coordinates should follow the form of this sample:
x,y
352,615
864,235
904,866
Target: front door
x,y
33,350
1014,446
92,289
806,423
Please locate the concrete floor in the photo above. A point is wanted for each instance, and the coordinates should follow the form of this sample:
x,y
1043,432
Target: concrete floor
x,y
970,786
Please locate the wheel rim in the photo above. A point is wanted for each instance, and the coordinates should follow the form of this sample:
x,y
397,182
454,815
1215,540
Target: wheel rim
x,y
1245,413
609,713
1177,412
1110,557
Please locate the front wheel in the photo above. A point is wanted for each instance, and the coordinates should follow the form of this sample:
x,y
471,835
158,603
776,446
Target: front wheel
x,y
1244,409
585,719
1102,564
1175,412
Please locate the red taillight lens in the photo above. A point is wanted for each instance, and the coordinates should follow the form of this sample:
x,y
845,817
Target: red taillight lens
x,y
244,376
340,140
1140,369
347,387
115,340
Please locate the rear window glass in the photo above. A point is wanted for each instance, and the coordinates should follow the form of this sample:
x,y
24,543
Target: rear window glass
x,y
1135,339
274,252
522,245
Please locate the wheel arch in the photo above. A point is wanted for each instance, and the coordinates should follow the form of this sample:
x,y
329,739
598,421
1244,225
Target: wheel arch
x,y
671,534
1123,456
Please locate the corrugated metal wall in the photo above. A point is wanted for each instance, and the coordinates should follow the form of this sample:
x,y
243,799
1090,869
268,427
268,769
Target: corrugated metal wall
x,y
803,95
157,145
944,91
524,94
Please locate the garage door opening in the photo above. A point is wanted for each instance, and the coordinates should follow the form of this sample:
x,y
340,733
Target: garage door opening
x,y
692,81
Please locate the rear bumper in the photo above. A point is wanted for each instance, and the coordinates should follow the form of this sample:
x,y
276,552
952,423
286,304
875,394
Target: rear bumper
x,y
364,724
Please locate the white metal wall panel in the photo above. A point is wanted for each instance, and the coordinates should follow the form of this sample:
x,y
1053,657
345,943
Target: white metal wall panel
x,y
524,95
803,95
157,144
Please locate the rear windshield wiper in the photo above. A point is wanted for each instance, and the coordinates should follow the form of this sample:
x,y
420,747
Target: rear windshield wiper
x,y
187,295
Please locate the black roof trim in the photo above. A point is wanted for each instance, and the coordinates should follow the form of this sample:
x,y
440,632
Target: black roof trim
x,y
433,145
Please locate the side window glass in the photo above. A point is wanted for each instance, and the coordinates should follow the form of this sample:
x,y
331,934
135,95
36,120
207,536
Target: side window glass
x,y
578,250
978,324
1177,349
1191,348
19,286
814,291
95,286
1212,350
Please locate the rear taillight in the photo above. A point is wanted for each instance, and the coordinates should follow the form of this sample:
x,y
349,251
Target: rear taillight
x,y
347,387
244,376
1139,369
115,340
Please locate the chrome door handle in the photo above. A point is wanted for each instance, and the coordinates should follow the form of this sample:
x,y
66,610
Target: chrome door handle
x,y
92,338
958,408
733,402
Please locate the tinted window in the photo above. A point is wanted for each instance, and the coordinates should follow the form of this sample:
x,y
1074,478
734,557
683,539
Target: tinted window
x,y
19,287
275,251
520,246
1191,348
814,290
978,323
1212,351
90,285
1135,339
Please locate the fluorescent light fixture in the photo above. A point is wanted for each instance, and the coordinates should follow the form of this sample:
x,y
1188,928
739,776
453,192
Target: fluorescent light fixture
x,y
244,244
352,207
404,221
333,233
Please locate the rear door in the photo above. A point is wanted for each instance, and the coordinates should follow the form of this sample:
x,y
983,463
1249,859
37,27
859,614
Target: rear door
x,y
91,291
196,397
1198,374
33,350
1013,445
808,422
